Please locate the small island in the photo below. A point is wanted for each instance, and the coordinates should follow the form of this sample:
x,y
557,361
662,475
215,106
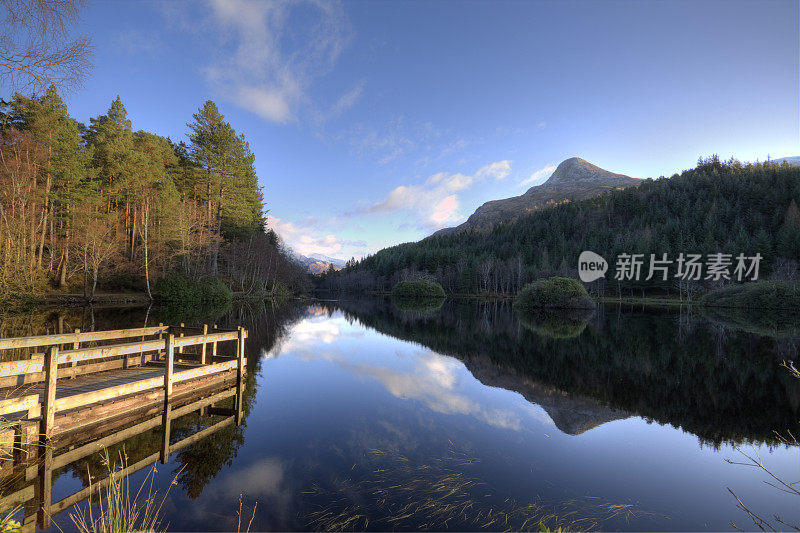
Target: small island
x,y
418,289
553,293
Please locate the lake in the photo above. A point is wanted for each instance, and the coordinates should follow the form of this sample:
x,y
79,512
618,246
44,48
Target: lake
x,y
364,416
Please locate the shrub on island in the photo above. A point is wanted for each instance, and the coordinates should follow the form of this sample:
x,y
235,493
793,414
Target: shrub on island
x,y
418,289
554,293
765,294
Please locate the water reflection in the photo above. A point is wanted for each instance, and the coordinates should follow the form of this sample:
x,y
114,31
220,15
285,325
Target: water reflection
x,y
359,415
724,385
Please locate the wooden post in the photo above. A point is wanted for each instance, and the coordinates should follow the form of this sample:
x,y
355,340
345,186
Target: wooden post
x,y
203,348
180,348
169,360
45,487
51,376
239,375
75,346
169,364
166,423
214,346
160,335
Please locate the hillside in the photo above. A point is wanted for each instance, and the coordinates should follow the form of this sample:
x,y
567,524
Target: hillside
x,y
726,207
317,263
574,179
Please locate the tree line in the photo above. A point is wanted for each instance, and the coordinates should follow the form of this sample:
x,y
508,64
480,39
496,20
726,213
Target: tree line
x,y
104,206
718,207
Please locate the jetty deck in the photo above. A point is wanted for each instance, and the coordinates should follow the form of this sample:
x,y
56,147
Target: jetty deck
x,y
66,396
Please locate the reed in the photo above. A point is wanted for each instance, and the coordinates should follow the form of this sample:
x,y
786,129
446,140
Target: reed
x,y
118,510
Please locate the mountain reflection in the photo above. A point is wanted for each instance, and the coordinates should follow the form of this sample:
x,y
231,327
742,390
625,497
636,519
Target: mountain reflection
x,y
724,385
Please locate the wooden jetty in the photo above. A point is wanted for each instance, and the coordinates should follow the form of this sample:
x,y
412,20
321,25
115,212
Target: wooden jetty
x,y
89,390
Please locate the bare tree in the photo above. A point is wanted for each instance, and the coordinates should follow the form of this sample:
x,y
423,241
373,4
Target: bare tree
x,y
36,48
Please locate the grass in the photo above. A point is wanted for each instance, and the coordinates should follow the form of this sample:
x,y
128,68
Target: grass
x,y
396,492
554,293
118,511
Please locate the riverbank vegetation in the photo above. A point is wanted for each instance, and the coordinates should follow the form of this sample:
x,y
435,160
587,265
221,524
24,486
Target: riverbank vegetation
x,y
553,293
767,294
728,207
103,207
417,289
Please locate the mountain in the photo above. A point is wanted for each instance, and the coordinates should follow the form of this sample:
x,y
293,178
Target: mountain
x,y
317,263
573,179
717,207
793,160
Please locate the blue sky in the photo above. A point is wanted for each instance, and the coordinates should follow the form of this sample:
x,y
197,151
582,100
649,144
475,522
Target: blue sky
x,y
377,122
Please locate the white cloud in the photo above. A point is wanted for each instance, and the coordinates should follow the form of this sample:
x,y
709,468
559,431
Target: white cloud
x,y
498,170
540,176
305,239
434,201
267,66
347,100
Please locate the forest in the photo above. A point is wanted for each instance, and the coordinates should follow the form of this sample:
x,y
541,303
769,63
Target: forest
x,y
718,207
103,207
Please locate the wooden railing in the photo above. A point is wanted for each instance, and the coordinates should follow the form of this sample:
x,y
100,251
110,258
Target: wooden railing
x,y
33,493
42,417
46,368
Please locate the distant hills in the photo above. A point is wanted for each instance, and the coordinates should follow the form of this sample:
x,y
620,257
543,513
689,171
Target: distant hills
x,y
317,263
794,160
574,179
718,207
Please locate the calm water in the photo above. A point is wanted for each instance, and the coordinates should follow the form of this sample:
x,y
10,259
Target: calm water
x,y
364,416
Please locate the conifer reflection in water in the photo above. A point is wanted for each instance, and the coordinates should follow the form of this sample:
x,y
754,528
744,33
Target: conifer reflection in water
x,y
391,491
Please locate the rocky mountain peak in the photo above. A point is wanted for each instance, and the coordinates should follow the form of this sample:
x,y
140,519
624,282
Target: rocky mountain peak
x,y
575,169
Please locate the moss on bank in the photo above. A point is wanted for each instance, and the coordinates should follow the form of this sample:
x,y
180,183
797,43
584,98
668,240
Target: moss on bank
x,y
554,293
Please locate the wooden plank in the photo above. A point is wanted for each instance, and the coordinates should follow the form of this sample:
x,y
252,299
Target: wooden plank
x,y
49,409
71,372
72,430
201,371
119,436
13,368
102,352
100,444
69,501
17,498
65,338
210,337
119,407
87,398
15,405
200,435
